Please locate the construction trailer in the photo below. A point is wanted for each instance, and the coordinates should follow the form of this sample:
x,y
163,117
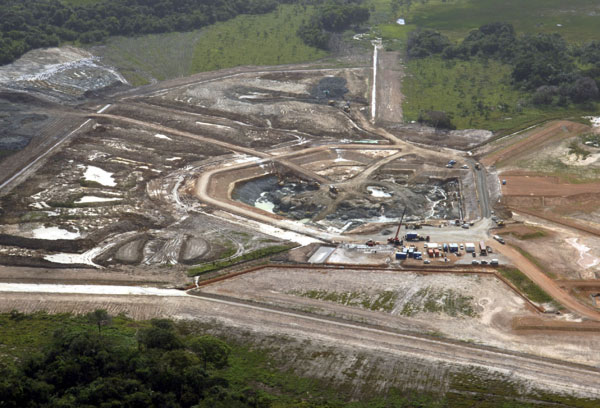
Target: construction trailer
x,y
453,247
470,247
412,236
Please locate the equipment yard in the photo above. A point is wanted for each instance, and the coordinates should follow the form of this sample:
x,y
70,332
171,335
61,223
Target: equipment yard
x,y
405,242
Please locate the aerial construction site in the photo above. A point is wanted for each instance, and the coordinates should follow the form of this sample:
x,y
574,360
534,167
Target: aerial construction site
x,y
293,201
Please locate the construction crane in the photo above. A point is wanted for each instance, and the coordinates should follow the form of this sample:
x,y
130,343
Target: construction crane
x,y
395,240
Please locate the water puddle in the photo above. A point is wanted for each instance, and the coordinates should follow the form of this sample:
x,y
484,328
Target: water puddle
x,y
378,192
264,204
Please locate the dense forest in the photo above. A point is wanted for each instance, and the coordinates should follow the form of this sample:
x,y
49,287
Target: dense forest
x,y
162,368
551,70
30,24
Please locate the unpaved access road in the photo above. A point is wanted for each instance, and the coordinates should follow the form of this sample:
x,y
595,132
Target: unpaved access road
x,y
543,281
389,85
554,375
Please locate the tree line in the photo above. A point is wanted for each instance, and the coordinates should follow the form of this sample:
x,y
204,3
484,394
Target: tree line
x,y
86,368
551,70
332,16
30,24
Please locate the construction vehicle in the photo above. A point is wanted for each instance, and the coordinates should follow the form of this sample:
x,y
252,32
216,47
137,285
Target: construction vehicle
x,y
395,240
371,243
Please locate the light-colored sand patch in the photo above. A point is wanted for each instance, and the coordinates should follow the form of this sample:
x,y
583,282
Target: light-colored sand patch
x,y
595,120
54,233
586,260
95,199
93,173
89,289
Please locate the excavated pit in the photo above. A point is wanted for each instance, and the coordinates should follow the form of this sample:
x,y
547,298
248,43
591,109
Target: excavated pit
x,y
372,201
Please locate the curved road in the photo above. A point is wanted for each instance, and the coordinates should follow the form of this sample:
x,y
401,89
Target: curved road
x,y
545,282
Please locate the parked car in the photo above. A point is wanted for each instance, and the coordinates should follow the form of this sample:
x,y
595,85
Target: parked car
x,y
475,262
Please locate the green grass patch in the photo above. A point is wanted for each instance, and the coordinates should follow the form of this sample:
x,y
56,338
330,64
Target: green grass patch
x,y
267,39
526,285
24,334
577,18
476,93
250,256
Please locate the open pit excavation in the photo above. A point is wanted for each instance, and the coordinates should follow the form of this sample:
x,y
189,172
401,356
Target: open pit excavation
x,y
289,201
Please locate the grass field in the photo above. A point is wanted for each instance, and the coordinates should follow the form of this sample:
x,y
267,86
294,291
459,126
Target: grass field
x,y
478,94
268,39
578,19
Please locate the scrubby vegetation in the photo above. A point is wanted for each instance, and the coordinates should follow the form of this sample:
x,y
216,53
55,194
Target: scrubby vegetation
x,y
382,301
506,77
250,256
543,64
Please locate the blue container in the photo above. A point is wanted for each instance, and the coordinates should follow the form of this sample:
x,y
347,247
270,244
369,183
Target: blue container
x,y
401,255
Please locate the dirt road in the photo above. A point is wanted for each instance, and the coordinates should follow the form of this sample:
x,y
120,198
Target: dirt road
x,y
389,85
533,139
543,281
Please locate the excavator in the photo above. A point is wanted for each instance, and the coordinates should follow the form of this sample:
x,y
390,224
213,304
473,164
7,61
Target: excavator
x,y
395,240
